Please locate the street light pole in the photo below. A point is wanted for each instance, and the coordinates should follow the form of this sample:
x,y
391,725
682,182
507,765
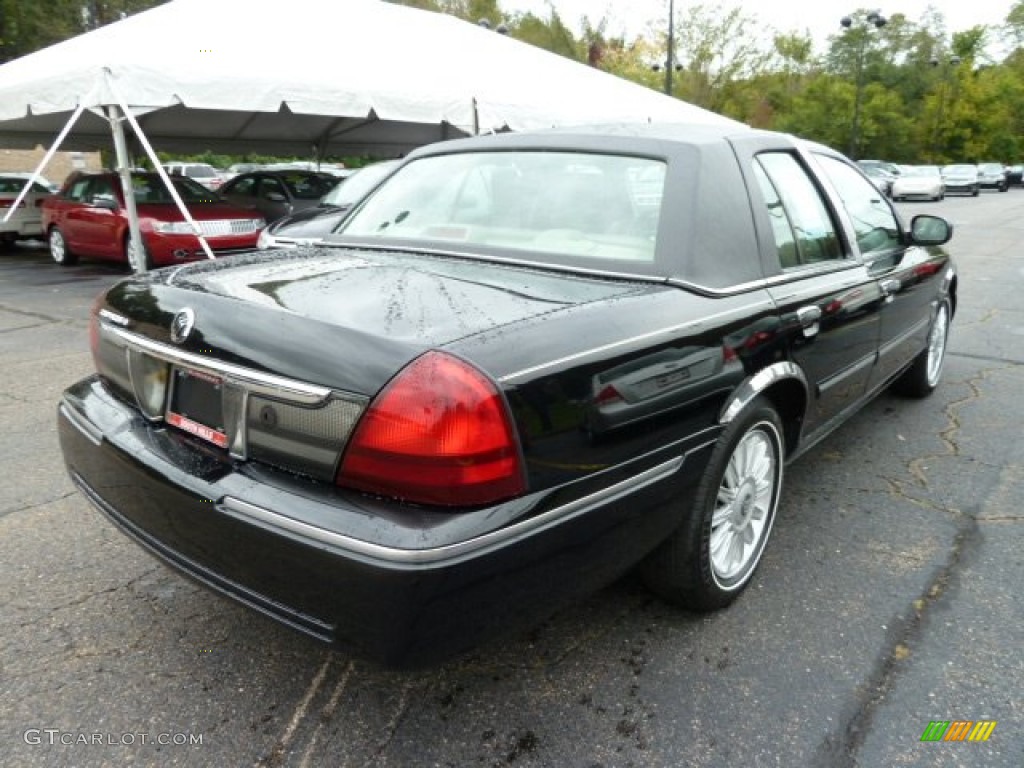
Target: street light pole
x,y
669,64
873,19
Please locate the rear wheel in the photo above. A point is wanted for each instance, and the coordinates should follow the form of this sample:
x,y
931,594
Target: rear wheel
x,y
8,239
711,557
59,250
923,376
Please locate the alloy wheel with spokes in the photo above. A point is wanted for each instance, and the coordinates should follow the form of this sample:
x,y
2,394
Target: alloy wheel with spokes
x,y
937,345
743,507
723,531
923,375
59,250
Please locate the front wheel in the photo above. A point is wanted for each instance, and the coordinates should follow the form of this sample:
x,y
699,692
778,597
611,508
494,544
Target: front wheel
x,y
923,375
132,257
59,250
711,557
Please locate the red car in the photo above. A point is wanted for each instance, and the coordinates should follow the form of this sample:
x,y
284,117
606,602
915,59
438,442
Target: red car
x,y
88,218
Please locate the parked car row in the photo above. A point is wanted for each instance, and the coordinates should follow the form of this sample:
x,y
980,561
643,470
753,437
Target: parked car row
x,y
932,182
88,216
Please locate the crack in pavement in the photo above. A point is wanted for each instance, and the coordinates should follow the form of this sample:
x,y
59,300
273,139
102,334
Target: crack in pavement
x,y
35,505
90,596
917,467
34,315
840,750
392,726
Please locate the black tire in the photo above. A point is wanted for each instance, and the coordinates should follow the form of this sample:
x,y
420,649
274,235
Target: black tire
x,y
924,374
145,253
731,516
7,240
976,192
59,250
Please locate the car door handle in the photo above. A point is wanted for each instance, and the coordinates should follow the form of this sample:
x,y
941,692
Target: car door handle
x,y
808,318
889,286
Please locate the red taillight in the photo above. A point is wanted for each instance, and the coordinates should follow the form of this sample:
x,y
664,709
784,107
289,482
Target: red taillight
x,y
608,394
9,203
439,433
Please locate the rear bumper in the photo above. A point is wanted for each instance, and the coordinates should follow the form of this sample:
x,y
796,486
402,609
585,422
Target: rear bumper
x,y
21,226
398,585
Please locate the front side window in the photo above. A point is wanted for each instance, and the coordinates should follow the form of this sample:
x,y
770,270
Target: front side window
x,y
874,223
804,230
77,190
271,186
592,206
245,186
102,189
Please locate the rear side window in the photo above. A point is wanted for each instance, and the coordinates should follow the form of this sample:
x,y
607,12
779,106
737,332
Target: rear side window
x,y
803,229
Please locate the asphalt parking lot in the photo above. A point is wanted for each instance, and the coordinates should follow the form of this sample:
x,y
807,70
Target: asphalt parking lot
x,y
884,601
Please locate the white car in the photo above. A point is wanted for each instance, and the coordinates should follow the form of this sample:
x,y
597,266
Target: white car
x,y
919,181
26,221
204,173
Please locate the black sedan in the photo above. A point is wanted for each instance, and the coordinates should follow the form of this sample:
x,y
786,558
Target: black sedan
x,y
311,225
278,193
526,364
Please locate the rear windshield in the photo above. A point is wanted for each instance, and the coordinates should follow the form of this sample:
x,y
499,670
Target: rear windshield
x,y
200,171
596,207
306,186
9,186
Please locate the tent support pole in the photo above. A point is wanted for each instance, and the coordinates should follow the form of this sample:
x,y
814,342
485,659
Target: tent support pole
x,y
159,171
136,250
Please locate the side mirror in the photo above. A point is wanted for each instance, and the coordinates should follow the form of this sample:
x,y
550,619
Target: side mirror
x,y
275,197
926,229
105,201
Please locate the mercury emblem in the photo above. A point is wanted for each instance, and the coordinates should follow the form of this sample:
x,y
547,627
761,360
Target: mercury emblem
x,y
182,325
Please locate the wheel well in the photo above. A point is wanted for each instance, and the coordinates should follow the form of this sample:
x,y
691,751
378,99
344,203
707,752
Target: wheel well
x,y
790,400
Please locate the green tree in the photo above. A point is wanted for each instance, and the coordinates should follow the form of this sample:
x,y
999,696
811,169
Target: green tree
x,y
29,25
716,46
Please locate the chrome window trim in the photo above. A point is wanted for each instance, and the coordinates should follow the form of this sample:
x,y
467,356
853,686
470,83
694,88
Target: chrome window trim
x,y
757,384
450,553
265,384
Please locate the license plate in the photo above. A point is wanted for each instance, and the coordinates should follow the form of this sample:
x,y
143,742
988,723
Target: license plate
x,y
196,406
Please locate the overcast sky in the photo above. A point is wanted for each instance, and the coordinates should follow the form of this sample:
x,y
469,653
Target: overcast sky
x,y
819,17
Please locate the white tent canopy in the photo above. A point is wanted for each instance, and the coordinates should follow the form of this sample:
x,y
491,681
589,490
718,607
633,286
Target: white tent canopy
x,y
309,77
